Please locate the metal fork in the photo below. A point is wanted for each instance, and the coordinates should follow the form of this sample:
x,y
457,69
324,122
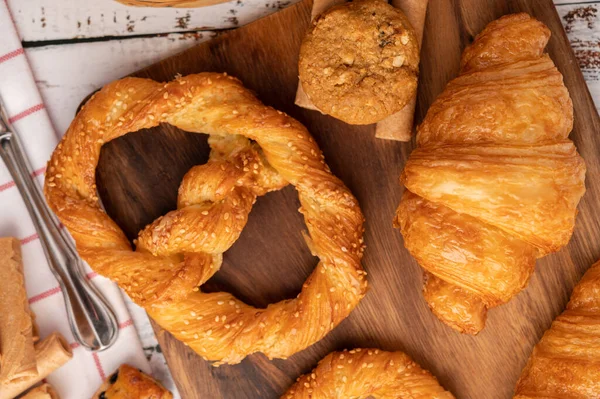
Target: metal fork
x,y
92,321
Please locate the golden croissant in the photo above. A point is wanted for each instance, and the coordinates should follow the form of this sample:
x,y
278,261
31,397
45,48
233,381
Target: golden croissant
x,y
566,362
364,373
494,182
254,149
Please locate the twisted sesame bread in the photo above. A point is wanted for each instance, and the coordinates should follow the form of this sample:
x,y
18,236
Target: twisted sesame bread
x,y
254,149
365,373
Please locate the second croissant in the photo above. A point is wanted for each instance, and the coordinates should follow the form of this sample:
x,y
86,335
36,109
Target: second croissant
x,y
494,183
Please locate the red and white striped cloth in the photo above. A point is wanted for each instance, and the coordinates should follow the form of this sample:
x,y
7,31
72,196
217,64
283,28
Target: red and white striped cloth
x,y
85,372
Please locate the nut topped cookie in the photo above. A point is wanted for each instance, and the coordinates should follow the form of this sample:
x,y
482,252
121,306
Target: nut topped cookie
x,y
359,62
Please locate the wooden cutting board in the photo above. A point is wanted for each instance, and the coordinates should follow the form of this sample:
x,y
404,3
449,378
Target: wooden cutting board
x,y
139,175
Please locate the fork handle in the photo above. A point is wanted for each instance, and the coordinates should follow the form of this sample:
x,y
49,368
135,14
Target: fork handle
x,y
92,321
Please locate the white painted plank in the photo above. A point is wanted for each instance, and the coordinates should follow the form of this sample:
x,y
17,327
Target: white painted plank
x,y
582,24
40,20
579,2
67,73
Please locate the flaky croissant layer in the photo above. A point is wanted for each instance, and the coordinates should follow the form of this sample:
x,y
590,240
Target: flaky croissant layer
x,y
566,362
254,149
494,182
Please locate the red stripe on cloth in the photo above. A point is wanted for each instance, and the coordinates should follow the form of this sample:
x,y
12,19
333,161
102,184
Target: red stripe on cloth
x,y
27,112
91,275
6,186
125,324
10,184
11,55
99,366
39,171
74,345
45,294
27,240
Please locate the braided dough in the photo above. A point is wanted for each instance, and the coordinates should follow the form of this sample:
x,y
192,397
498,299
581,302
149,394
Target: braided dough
x,y
365,373
182,250
494,183
566,362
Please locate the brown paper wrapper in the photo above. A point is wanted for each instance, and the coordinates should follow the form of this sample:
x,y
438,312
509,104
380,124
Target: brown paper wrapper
x,y
44,391
17,355
50,353
398,126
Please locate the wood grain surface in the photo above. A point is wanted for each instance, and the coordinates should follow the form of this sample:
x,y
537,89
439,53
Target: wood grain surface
x,y
139,174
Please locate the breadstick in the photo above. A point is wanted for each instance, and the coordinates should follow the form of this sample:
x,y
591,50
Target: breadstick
x,y
17,356
50,353
44,391
398,126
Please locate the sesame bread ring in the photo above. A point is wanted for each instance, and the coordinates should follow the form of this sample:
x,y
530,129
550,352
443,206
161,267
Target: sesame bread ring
x,y
254,149
365,373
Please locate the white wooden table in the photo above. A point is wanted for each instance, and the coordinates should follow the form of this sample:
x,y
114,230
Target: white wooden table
x,y
77,46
